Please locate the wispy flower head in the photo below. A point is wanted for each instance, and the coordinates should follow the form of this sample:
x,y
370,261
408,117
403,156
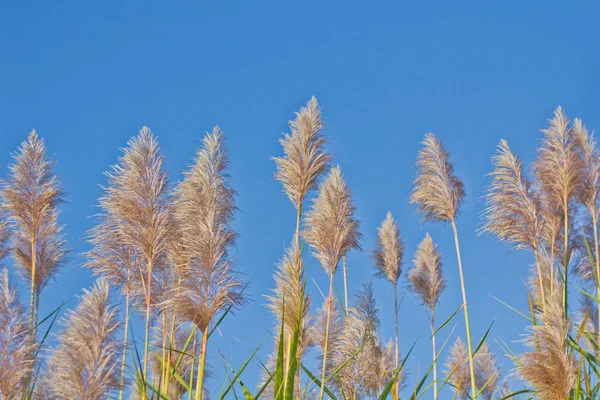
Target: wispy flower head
x,y
331,227
15,348
85,364
426,278
558,166
514,209
590,176
205,206
304,155
31,196
550,368
457,369
389,251
437,192
289,288
487,374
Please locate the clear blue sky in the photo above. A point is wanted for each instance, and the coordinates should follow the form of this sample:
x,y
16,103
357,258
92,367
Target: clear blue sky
x,y
87,75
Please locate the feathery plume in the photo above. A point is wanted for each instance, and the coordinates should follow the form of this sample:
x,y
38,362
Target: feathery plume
x,y
388,262
362,376
15,350
558,169
289,287
457,369
331,228
85,363
426,278
304,155
205,206
486,372
558,166
332,231
389,250
137,208
589,193
550,368
437,193
513,210
31,196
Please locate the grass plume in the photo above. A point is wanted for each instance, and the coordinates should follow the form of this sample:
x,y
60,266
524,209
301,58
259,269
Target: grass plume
x,y
438,195
205,207
427,281
85,364
332,231
31,196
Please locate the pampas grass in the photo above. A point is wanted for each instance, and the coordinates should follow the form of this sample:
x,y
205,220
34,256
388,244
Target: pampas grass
x,y
137,201
427,280
332,231
205,206
549,367
31,196
438,195
513,208
388,262
558,169
85,363
16,361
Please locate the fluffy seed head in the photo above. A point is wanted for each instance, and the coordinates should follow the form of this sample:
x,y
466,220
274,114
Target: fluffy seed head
x,y
426,278
205,206
457,369
437,192
389,250
559,166
85,364
289,288
550,368
331,227
514,210
15,347
31,196
487,374
590,177
304,154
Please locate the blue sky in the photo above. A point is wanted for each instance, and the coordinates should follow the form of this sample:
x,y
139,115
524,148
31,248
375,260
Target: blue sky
x,y
88,75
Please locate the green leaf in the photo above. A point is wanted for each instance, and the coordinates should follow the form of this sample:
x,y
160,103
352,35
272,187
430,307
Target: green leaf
x,y
237,375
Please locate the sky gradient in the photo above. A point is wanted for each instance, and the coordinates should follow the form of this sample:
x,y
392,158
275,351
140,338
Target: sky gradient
x,y
88,75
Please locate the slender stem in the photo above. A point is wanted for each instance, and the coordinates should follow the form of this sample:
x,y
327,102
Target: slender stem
x,y
552,263
397,384
566,237
329,301
148,315
191,385
124,359
32,327
541,280
595,222
298,219
467,324
164,366
435,387
345,285
200,379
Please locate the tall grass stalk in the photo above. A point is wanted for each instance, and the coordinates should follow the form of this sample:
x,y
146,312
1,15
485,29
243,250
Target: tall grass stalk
x,y
439,194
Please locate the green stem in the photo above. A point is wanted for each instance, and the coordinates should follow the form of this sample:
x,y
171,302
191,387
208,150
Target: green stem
x,y
435,387
200,379
329,303
124,359
466,310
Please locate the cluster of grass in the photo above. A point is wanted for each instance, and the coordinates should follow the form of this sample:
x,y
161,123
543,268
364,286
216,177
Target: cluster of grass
x,y
164,249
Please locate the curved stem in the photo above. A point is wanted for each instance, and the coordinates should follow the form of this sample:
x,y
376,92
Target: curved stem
x,y
397,384
466,310
541,280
